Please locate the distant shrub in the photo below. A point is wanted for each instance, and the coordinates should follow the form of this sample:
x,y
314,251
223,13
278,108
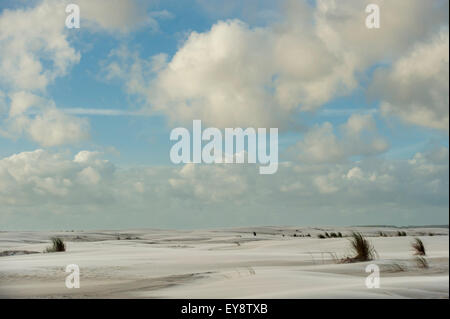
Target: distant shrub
x,y
340,235
401,233
57,245
321,236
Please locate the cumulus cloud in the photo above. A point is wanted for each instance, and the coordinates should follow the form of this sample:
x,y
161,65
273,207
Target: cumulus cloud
x,y
217,77
340,24
34,51
358,137
35,34
118,15
416,88
238,75
21,101
42,121
210,185
53,127
27,38
89,189
30,178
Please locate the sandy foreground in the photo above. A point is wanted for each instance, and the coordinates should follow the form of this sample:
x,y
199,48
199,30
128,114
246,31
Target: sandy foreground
x,y
229,263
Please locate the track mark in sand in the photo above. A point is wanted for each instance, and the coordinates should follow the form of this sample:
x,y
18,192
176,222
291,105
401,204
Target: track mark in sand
x,y
126,289
17,252
237,273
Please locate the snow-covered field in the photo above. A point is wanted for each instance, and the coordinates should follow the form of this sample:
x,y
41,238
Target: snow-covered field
x,y
226,263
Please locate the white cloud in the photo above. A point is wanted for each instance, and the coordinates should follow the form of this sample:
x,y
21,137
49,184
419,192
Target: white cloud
x,y
53,127
341,25
358,137
29,36
325,185
118,15
217,77
41,176
21,101
208,183
92,191
46,125
355,173
320,145
86,157
34,51
89,176
357,123
416,88
237,75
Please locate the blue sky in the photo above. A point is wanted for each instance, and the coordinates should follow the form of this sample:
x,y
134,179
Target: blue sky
x,y
349,104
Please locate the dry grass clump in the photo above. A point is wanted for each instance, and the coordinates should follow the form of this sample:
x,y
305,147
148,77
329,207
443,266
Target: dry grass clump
x,y
422,263
419,247
57,245
362,249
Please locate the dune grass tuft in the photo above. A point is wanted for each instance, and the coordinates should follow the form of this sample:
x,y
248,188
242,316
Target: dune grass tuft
x,y
362,249
57,245
419,247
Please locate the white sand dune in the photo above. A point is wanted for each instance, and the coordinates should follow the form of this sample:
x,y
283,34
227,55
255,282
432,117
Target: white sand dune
x,y
230,263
